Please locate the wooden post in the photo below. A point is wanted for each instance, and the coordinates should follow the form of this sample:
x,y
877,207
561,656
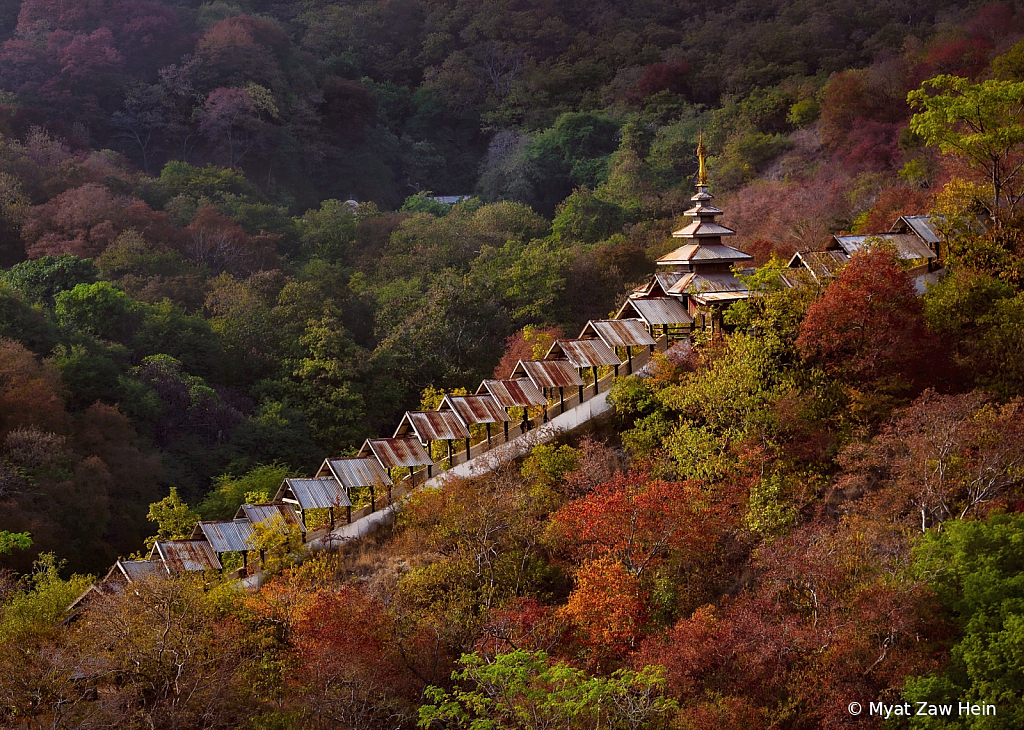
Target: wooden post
x,y
488,427
581,394
616,371
245,560
467,450
348,514
526,420
451,460
594,368
629,357
373,501
412,476
506,427
330,511
561,398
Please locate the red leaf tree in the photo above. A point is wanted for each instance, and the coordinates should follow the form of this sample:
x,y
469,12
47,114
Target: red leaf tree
x,y
868,324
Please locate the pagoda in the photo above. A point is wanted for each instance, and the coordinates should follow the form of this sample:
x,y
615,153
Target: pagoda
x,y
698,274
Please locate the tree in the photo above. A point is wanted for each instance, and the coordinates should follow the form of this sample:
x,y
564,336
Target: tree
x,y
606,610
976,570
523,690
868,325
984,124
175,520
42,279
639,521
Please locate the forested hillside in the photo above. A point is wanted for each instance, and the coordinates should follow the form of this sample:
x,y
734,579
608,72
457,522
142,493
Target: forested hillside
x,y
223,259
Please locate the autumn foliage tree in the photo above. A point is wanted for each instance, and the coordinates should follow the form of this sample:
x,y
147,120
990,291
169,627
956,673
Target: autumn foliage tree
x,y
868,325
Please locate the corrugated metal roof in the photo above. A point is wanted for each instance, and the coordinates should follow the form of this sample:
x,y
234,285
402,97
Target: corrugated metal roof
x,y
270,513
656,310
135,570
396,452
432,426
583,353
226,536
720,296
908,246
620,332
318,493
357,471
698,283
182,556
519,393
658,284
703,229
549,373
922,225
823,265
703,252
475,408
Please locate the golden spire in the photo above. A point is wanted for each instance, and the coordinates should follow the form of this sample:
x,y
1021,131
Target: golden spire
x,y
702,170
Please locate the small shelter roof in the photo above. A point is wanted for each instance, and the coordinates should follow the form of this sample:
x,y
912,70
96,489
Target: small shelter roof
x,y
659,284
519,393
908,245
583,353
823,265
704,253
619,332
271,512
183,556
548,373
475,408
356,471
316,493
226,536
704,283
134,570
922,225
396,452
655,311
432,426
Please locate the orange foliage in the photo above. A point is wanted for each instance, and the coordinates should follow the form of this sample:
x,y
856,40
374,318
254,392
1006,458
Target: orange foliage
x,y
31,394
607,609
639,521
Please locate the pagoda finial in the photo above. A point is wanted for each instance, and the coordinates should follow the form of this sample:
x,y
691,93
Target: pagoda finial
x,y
702,169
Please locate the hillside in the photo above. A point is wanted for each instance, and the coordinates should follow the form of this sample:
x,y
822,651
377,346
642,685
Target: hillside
x,y
223,261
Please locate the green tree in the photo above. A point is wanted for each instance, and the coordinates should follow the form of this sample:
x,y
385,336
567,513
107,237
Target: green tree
x,y
981,122
40,280
230,492
977,571
522,690
174,519
14,540
99,309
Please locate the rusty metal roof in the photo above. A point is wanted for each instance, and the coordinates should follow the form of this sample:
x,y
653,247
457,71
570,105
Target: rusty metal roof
x,y
656,310
549,373
227,536
181,556
620,332
134,570
432,426
357,471
699,283
318,493
583,353
270,513
475,408
908,245
396,452
823,265
513,393
720,296
922,225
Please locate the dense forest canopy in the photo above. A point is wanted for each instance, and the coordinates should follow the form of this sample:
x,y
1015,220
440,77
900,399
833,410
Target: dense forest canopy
x,y
224,256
